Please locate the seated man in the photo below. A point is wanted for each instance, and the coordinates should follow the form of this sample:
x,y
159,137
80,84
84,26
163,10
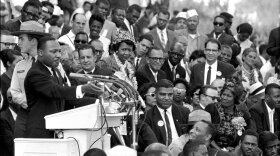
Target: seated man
x,y
269,143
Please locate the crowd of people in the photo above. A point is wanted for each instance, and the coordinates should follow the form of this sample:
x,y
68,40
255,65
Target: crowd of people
x,y
204,93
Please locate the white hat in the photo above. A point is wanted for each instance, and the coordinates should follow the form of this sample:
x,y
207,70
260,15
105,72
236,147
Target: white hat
x,y
182,15
191,13
121,151
57,11
256,88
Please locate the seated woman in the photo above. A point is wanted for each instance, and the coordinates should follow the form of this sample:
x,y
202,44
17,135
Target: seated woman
x,y
123,45
147,92
230,120
181,94
250,73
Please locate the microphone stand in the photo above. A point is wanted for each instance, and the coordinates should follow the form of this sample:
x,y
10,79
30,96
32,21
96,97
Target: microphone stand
x,y
131,99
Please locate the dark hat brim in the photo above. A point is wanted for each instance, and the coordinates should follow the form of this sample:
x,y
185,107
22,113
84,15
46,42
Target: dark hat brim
x,y
17,33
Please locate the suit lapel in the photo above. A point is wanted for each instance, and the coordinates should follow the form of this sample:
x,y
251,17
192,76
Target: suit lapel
x,y
176,118
157,39
150,74
157,120
201,73
265,112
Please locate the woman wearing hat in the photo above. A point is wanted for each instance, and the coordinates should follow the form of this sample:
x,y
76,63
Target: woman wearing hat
x,y
123,45
231,121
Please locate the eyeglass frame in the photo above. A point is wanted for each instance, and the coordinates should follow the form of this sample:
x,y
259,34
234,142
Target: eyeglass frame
x,y
157,59
212,97
75,41
176,53
218,24
32,14
215,51
8,44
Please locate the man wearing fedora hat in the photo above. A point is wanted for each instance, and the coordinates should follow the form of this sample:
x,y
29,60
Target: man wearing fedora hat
x,y
29,33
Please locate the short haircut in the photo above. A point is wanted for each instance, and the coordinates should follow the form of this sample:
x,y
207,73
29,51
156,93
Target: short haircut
x,y
192,146
42,41
134,7
95,40
211,129
82,33
249,132
165,12
148,37
226,15
95,152
197,54
86,2
204,88
265,137
31,3
102,1
212,40
244,28
158,146
219,16
164,83
86,46
8,55
154,153
262,48
96,17
114,11
153,48
47,3
74,16
225,46
271,86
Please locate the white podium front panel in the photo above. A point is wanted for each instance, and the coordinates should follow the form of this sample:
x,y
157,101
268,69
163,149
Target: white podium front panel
x,y
46,147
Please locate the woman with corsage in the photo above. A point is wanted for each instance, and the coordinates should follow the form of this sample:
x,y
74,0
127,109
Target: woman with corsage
x,y
229,119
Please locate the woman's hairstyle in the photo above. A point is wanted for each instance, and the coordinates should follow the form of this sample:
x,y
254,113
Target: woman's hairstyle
x,y
234,84
186,84
197,54
247,51
8,55
117,45
144,89
244,28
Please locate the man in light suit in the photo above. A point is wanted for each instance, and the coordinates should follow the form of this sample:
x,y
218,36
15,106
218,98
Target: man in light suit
x,y
206,73
166,118
266,114
219,31
151,71
162,36
46,92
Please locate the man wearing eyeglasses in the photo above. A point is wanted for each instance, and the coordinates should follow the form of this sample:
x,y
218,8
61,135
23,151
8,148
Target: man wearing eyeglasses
x,y
207,94
151,72
172,66
207,72
30,11
78,24
218,32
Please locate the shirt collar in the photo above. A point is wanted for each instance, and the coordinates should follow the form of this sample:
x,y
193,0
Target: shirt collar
x,y
71,34
167,110
215,64
201,106
170,65
86,72
154,73
268,108
159,31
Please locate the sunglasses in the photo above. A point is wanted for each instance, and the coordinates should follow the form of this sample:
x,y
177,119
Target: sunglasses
x,y
218,24
80,41
150,94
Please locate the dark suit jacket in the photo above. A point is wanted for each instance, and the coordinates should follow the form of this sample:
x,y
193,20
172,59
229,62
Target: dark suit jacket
x,y
197,73
7,124
144,75
44,97
224,38
142,62
65,29
180,115
274,42
259,115
170,35
180,71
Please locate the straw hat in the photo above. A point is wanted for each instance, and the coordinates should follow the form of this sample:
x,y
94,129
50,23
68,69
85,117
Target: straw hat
x,y
32,28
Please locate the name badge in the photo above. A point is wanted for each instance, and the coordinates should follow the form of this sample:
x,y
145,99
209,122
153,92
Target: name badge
x,y
20,71
123,129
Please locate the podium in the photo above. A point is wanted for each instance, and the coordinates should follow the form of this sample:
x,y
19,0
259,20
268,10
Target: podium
x,y
83,126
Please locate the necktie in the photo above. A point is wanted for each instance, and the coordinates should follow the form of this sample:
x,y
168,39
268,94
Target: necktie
x,y
168,129
162,40
58,78
137,63
33,60
174,73
208,76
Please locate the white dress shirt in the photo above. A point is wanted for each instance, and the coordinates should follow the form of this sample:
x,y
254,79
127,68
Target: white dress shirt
x,y
68,39
214,68
106,42
171,120
130,27
154,74
164,31
270,116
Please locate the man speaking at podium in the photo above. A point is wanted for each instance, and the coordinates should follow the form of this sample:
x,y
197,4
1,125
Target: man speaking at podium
x,y
47,92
